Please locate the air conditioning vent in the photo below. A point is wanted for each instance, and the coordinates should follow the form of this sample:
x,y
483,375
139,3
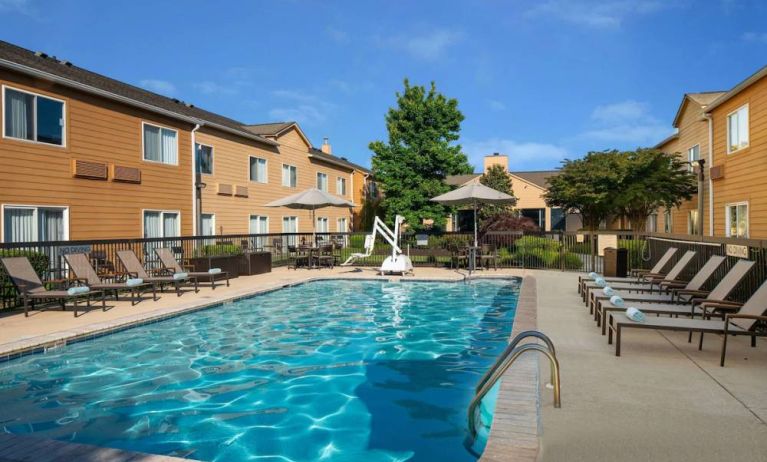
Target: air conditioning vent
x,y
225,189
125,174
241,191
716,172
90,170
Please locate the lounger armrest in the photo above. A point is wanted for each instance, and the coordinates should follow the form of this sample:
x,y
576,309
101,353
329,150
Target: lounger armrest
x,y
691,292
729,316
672,284
721,302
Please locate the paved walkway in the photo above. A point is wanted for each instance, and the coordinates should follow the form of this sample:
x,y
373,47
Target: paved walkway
x,y
662,400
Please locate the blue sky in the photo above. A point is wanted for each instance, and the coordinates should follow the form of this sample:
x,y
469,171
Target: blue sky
x,y
537,80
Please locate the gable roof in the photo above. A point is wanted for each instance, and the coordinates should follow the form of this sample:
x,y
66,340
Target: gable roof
x,y
667,140
458,180
65,73
276,129
702,99
318,154
752,79
536,177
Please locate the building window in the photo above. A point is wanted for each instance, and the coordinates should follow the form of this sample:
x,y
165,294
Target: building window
x,y
737,220
32,117
290,225
322,181
737,129
161,224
289,176
204,159
258,170
667,221
23,223
322,225
537,215
341,186
208,224
160,145
692,222
259,224
652,223
693,155
341,225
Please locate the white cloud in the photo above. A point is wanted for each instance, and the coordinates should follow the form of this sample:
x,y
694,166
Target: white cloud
x,y
601,14
301,107
758,37
159,86
428,47
208,87
496,105
626,122
522,155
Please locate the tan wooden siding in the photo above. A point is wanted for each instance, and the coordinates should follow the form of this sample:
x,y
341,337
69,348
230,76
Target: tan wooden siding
x,y
744,170
231,165
97,130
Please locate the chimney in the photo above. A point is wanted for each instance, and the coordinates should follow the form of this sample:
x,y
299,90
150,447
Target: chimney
x,y
497,159
326,146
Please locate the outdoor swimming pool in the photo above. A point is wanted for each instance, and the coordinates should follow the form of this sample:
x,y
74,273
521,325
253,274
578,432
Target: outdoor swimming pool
x,y
332,370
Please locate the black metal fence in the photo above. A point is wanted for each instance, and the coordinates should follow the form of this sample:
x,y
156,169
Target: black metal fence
x,y
563,251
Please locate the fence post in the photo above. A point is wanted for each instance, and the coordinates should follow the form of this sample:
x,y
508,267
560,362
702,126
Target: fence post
x,y
561,251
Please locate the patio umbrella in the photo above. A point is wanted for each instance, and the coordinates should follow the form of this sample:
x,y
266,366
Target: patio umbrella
x,y
311,199
474,194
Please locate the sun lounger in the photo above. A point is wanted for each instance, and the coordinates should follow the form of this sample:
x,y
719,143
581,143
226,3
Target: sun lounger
x,y
743,322
717,297
655,271
31,288
84,272
134,267
172,266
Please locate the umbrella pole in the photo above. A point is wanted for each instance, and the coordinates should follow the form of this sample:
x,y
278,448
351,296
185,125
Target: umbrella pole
x,y
474,250
314,229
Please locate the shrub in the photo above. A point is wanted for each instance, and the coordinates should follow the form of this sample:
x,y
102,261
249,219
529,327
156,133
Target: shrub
x,y
213,250
571,261
39,262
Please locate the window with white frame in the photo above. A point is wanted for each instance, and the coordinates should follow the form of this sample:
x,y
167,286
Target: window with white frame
x,y
652,223
736,216
341,186
22,223
158,223
258,170
204,159
160,144
322,225
259,224
737,129
693,155
341,225
33,117
290,225
289,176
322,181
208,224
692,222
667,224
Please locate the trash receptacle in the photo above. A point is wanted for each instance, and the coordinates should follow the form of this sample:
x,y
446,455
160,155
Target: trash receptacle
x,y
616,262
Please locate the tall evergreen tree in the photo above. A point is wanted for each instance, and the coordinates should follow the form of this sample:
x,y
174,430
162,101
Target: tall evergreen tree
x,y
498,178
420,153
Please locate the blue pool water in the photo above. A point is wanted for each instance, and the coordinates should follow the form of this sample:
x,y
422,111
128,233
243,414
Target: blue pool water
x,y
334,370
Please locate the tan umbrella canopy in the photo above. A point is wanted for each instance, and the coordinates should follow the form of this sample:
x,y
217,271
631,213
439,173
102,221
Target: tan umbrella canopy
x,y
311,199
474,194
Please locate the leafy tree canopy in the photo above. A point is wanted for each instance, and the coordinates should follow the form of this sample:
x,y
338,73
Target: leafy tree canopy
x,y
420,153
498,178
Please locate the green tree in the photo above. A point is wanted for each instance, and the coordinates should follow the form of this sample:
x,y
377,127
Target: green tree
x,y
652,179
498,178
420,153
588,186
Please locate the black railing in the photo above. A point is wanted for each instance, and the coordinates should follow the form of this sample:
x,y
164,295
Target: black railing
x,y
564,251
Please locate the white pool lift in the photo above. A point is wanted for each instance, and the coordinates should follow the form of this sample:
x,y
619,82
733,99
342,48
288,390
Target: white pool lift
x,y
397,263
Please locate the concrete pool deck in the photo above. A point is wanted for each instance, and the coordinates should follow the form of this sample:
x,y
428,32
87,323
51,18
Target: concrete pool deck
x,y
662,400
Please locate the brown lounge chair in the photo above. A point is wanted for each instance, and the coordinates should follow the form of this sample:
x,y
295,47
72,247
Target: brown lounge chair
x,y
637,275
664,283
716,299
134,268
172,266
31,288
741,323
84,272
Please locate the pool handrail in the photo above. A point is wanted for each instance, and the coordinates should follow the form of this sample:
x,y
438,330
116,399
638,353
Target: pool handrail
x,y
510,349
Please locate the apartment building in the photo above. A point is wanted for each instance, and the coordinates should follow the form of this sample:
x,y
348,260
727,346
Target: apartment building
x,y
729,131
85,156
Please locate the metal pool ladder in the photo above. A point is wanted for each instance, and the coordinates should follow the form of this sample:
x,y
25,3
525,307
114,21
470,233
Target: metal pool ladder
x,y
504,361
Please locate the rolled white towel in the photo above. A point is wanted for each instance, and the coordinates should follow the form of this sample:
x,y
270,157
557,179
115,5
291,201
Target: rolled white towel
x,y
593,275
600,282
180,276
214,271
608,291
78,290
616,300
634,314
133,282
